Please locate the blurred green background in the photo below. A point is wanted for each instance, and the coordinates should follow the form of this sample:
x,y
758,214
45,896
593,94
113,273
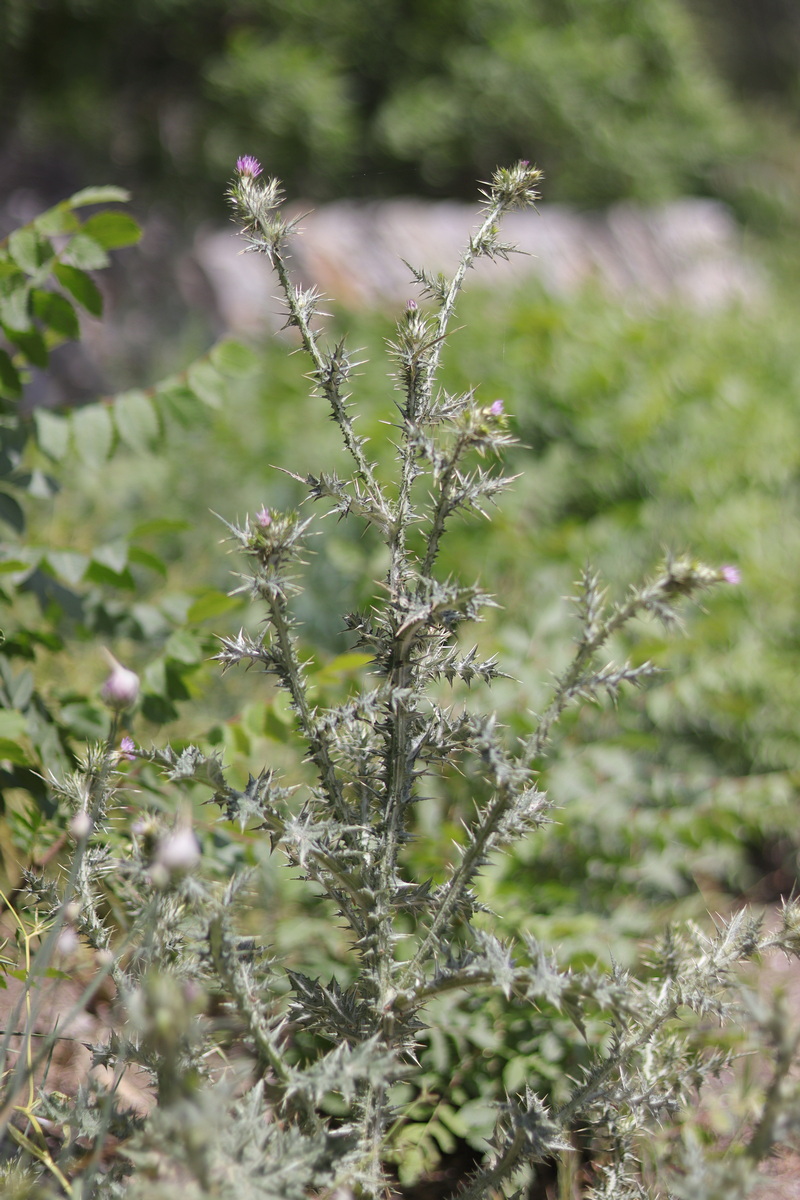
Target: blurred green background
x,y
613,98
642,428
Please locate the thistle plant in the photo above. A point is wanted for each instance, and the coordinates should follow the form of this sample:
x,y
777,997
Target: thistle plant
x,y
178,958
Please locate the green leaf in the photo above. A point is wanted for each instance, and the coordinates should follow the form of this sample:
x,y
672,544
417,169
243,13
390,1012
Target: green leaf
x,y
41,485
29,249
52,433
112,230
56,313
20,689
234,358
145,559
10,382
136,420
179,403
151,622
15,306
11,512
56,221
94,434
81,286
158,709
108,194
211,604
158,526
97,572
343,664
113,555
32,345
207,384
13,724
13,752
84,252
154,678
85,720
68,565
184,647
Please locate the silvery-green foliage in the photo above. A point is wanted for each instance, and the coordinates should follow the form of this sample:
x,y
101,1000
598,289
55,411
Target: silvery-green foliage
x,y
268,1132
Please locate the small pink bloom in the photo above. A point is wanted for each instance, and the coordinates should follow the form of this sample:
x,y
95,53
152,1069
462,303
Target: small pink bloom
x,y
730,574
247,165
127,749
263,517
496,408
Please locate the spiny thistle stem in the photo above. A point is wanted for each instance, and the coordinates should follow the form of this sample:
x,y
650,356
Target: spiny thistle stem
x,y
327,385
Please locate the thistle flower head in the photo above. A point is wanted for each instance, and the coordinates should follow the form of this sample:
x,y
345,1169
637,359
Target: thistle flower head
x,y
248,165
729,574
514,187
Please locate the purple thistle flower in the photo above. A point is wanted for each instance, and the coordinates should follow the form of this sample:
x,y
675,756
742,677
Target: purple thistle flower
x,y
263,517
247,165
496,409
730,574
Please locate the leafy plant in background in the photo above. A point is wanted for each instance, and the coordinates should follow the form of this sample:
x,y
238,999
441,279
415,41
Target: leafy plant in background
x,y
57,595
330,1090
390,97
44,272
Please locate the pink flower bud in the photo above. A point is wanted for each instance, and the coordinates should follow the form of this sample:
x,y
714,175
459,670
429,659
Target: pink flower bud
x,y
121,688
179,850
81,825
263,517
67,942
730,574
496,408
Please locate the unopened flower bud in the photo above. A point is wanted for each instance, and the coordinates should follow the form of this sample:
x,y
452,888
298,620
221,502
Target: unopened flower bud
x,y
81,825
121,688
67,941
179,850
